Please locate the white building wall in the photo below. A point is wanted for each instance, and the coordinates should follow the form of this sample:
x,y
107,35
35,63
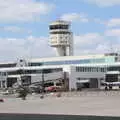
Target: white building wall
x,y
89,74
70,74
49,76
73,75
36,78
53,76
72,78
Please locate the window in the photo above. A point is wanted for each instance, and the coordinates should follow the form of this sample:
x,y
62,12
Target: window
x,y
114,68
49,84
58,84
7,65
60,32
35,64
53,27
111,78
102,70
90,69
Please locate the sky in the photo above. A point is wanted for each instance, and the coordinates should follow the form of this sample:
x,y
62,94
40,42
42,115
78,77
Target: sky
x,y
24,26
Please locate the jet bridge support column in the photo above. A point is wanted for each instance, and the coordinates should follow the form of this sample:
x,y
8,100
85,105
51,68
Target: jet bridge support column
x,y
1,84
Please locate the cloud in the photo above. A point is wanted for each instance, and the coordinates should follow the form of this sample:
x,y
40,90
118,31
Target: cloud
x,y
22,10
81,17
15,29
113,32
93,43
37,47
88,39
13,48
104,3
114,22
74,17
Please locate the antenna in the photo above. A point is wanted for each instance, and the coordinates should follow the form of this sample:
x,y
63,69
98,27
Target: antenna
x,y
111,48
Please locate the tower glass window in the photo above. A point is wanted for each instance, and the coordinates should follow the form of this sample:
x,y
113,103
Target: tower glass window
x,y
53,27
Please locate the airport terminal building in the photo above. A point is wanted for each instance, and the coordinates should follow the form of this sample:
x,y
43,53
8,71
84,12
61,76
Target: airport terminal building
x,y
73,72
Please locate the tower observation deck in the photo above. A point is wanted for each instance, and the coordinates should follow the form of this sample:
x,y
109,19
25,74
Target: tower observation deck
x,y
61,38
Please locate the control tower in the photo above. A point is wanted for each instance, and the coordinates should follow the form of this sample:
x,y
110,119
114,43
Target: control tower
x,y
61,38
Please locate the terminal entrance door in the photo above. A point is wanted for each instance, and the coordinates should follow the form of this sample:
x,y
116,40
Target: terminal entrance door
x,y
83,84
94,83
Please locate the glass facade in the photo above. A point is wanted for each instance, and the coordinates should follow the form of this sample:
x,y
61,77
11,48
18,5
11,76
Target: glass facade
x,y
35,64
8,65
111,78
19,72
114,68
60,32
67,62
110,59
54,27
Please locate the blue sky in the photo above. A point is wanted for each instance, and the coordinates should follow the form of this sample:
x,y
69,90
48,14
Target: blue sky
x,y
24,26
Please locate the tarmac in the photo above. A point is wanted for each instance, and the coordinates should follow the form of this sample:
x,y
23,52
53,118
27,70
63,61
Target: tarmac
x,y
72,103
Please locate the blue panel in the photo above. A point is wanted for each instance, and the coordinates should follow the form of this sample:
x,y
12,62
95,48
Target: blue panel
x,y
85,61
68,62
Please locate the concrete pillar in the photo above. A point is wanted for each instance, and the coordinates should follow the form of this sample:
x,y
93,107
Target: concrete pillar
x,y
66,81
6,84
72,83
19,81
72,79
0,85
3,83
99,83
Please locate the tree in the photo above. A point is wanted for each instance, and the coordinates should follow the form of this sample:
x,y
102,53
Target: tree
x,y
23,93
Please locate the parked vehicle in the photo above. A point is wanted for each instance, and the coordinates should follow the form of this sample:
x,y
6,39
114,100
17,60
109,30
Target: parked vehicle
x,y
35,88
53,88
